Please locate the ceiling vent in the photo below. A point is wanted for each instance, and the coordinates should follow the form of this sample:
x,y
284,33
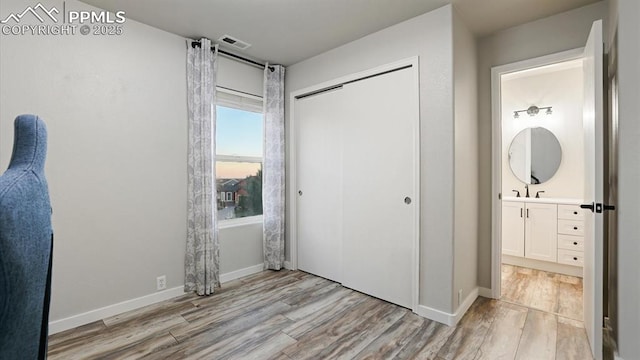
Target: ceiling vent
x,y
230,40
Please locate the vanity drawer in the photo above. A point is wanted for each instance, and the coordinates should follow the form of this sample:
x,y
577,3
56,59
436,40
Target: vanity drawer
x,y
571,227
570,242
570,257
570,212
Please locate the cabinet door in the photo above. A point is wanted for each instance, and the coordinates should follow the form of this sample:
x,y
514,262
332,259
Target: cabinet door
x,y
541,232
513,228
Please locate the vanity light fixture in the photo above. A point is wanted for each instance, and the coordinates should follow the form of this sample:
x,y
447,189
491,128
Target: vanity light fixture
x,y
533,111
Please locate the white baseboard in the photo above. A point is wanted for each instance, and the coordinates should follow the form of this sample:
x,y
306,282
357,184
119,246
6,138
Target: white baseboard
x,y
466,304
485,292
128,305
241,273
445,317
435,315
111,310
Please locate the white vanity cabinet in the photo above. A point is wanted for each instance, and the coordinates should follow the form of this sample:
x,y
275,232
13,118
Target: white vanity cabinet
x,y
540,231
570,235
530,230
543,234
513,228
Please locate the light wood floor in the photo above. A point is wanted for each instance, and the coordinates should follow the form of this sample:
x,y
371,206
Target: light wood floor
x,y
542,290
293,315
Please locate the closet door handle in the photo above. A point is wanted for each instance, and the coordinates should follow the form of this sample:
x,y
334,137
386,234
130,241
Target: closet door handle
x,y
527,213
520,212
300,192
407,200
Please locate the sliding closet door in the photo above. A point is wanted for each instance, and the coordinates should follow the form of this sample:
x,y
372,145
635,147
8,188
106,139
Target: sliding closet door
x,y
319,179
379,185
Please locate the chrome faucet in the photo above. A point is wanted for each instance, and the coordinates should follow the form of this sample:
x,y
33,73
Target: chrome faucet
x,y
526,186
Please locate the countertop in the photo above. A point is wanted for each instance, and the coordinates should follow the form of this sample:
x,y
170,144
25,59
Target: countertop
x,y
561,201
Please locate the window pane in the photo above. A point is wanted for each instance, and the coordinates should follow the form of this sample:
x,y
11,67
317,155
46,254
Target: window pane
x,y
238,132
239,189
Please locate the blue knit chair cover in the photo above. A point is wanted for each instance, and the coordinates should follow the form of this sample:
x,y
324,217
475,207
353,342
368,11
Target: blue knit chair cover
x,y
25,245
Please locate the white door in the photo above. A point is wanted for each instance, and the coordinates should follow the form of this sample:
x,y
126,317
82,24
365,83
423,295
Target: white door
x,y
593,248
541,232
319,168
380,166
513,228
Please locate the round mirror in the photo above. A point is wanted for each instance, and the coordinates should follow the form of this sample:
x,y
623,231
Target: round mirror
x,y
535,155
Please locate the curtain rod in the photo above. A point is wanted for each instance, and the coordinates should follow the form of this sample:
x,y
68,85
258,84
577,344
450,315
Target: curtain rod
x,y
195,44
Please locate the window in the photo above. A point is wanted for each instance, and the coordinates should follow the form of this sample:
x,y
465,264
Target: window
x,y
238,156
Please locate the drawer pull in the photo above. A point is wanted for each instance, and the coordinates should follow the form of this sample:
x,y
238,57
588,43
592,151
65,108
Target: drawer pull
x,y
575,228
575,243
575,258
575,213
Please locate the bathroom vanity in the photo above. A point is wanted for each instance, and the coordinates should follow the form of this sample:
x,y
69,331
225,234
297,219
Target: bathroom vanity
x,y
545,234
540,229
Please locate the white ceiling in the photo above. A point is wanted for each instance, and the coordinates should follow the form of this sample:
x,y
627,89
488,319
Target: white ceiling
x,y
288,31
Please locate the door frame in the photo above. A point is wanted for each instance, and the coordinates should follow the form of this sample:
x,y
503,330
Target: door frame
x,y
496,151
292,192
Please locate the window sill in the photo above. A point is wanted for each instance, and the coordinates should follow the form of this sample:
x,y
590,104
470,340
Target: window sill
x,y
231,223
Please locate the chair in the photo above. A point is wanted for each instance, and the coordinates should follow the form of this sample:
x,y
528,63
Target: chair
x,y
26,242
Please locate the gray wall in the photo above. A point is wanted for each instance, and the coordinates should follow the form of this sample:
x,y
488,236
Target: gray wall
x,y
628,12
116,113
115,107
550,35
240,247
465,231
430,37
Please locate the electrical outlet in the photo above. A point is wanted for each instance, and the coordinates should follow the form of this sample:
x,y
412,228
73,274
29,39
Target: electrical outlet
x,y
459,296
161,282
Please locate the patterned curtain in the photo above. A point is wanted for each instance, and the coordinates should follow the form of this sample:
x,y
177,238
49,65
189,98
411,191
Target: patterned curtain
x,y
202,253
273,168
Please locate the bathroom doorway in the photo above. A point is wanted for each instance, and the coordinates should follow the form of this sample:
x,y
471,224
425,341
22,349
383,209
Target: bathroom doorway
x,y
547,177
543,185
